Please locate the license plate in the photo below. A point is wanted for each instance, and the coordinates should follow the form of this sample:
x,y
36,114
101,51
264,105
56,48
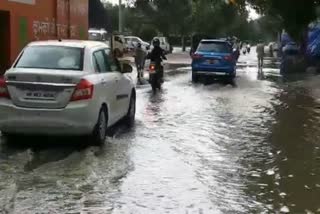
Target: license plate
x,y
40,95
212,61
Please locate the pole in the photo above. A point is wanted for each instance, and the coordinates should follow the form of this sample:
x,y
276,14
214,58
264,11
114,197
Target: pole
x,y
120,17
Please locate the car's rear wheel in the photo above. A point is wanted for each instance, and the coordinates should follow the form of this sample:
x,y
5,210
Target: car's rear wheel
x,y
195,77
100,131
9,136
230,79
130,117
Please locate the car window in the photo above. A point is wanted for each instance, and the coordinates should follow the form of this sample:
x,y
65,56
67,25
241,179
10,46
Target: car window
x,y
217,47
101,62
51,57
114,63
95,36
118,39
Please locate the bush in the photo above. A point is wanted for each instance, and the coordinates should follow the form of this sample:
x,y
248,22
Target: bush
x,y
147,32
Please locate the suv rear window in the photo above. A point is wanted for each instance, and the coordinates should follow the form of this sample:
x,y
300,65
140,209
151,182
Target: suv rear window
x,y
217,47
51,57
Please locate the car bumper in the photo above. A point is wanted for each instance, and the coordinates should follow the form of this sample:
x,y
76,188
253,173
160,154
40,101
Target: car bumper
x,y
75,119
215,71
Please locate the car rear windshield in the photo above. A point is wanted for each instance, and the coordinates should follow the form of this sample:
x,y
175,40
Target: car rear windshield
x,y
216,47
51,57
95,36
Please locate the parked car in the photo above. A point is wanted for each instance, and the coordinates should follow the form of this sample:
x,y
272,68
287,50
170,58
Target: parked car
x,y
132,42
164,44
116,41
273,45
214,58
66,88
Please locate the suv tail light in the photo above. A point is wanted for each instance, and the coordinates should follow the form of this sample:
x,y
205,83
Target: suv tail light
x,y
228,58
83,91
196,56
4,93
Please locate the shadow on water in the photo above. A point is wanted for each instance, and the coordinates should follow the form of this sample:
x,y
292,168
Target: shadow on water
x,y
67,175
222,82
290,174
46,149
42,148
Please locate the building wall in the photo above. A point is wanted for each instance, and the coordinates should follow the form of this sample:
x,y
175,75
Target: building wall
x,y
45,19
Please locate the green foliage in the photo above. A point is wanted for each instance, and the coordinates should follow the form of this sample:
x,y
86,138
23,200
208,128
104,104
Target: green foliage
x,y
147,32
168,16
184,17
295,15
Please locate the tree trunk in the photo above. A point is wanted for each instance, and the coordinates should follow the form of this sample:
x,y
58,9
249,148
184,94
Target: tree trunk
x,y
183,43
304,41
304,47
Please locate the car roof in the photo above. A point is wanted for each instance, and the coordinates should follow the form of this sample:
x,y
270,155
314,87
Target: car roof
x,y
214,40
69,43
97,31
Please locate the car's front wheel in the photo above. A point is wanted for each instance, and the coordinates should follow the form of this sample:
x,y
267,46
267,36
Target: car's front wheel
x,y
100,131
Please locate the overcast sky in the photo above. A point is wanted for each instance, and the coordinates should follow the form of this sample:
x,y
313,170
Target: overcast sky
x,y
252,15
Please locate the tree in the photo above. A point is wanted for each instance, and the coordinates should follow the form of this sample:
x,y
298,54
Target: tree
x,y
169,16
219,19
98,17
295,15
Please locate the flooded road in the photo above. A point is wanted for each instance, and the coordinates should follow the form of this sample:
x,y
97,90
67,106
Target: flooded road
x,y
196,148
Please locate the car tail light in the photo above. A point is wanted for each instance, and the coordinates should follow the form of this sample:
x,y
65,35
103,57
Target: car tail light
x,y
228,58
4,93
83,91
197,56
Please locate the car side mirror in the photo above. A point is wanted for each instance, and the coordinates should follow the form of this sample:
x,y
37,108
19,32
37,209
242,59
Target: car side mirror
x,y
126,68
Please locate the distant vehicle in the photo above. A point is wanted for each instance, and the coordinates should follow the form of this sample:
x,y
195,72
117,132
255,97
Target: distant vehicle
x,y
132,42
214,58
273,45
66,88
116,41
164,44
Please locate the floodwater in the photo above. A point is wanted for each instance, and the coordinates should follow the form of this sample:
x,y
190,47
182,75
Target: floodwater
x,y
251,147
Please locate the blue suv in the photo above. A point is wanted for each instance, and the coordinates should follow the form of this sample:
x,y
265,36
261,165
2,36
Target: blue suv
x,y
214,58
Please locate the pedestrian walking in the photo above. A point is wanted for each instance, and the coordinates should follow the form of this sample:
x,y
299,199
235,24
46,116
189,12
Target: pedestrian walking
x,y
260,53
140,58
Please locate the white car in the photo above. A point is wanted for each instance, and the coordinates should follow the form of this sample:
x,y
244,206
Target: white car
x,y
132,42
66,88
164,44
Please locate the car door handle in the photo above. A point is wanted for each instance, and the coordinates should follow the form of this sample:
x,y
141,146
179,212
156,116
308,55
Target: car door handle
x,y
117,80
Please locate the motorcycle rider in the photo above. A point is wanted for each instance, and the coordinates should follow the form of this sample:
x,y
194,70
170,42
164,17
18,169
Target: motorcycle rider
x,y
157,55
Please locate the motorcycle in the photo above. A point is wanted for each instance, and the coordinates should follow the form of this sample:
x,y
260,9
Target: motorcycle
x,y
155,76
